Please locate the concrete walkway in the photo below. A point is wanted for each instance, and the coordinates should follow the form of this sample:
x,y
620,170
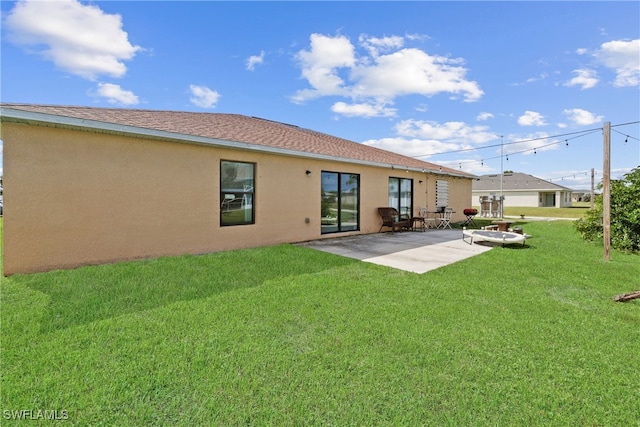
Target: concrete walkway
x,y
413,251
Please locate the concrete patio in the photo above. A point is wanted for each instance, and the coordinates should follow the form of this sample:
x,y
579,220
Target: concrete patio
x,y
417,252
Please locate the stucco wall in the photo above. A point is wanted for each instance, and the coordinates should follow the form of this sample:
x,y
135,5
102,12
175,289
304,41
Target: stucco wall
x,y
530,198
511,198
75,197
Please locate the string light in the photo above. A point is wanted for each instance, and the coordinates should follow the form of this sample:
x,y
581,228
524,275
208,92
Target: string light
x,y
626,136
578,134
530,150
571,176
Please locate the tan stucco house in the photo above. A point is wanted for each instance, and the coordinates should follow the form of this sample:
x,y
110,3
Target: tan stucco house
x,y
521,189
96,185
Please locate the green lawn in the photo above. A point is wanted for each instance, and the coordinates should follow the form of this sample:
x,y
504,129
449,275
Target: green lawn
x,y
577,211
571,213
286,335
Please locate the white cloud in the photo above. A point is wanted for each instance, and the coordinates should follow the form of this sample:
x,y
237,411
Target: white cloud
x,y
585,78
383,71
541,77
203,97
412,71
414,147
458,132
376,45
531,118
363,110
425,138
417,36
80,39
622,56
320,66
255,60
582,117
116,95
484,116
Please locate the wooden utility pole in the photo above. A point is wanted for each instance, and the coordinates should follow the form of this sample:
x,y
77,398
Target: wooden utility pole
x,y
606,191
593,192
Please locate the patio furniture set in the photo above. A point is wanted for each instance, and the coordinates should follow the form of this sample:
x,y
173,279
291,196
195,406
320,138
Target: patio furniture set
x,y
498,232
425,219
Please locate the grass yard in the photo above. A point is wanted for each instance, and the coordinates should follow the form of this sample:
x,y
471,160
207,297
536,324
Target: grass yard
x,y
286,335
574,212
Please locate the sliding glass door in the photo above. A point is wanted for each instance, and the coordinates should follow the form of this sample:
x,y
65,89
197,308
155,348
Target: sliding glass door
x,y
340,204
401,195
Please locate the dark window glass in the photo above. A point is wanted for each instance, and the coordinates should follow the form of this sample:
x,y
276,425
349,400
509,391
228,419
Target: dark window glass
x,y
340,204
401,195
237,183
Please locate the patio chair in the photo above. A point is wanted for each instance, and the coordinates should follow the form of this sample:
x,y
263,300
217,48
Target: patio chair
x,y
391,218
227,201
428,222
445,221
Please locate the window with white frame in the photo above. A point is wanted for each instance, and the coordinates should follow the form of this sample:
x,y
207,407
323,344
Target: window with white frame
x,y
442,193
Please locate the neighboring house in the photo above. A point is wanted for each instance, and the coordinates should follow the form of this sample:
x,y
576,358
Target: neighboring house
x,y
581,196
95,185
520,189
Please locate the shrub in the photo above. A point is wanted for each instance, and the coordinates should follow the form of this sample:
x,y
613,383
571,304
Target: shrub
x,y
625,214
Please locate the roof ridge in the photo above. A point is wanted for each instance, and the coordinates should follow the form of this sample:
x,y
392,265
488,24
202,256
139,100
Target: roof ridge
x,y
91,107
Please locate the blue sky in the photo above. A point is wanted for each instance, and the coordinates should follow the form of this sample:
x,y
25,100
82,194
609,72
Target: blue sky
x,y
454,83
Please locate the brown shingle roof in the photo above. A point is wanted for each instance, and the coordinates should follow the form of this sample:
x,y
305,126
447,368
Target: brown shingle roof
x,y
515,181
236,128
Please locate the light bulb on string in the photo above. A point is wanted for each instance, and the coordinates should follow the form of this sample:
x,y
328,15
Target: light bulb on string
x,y
566,142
